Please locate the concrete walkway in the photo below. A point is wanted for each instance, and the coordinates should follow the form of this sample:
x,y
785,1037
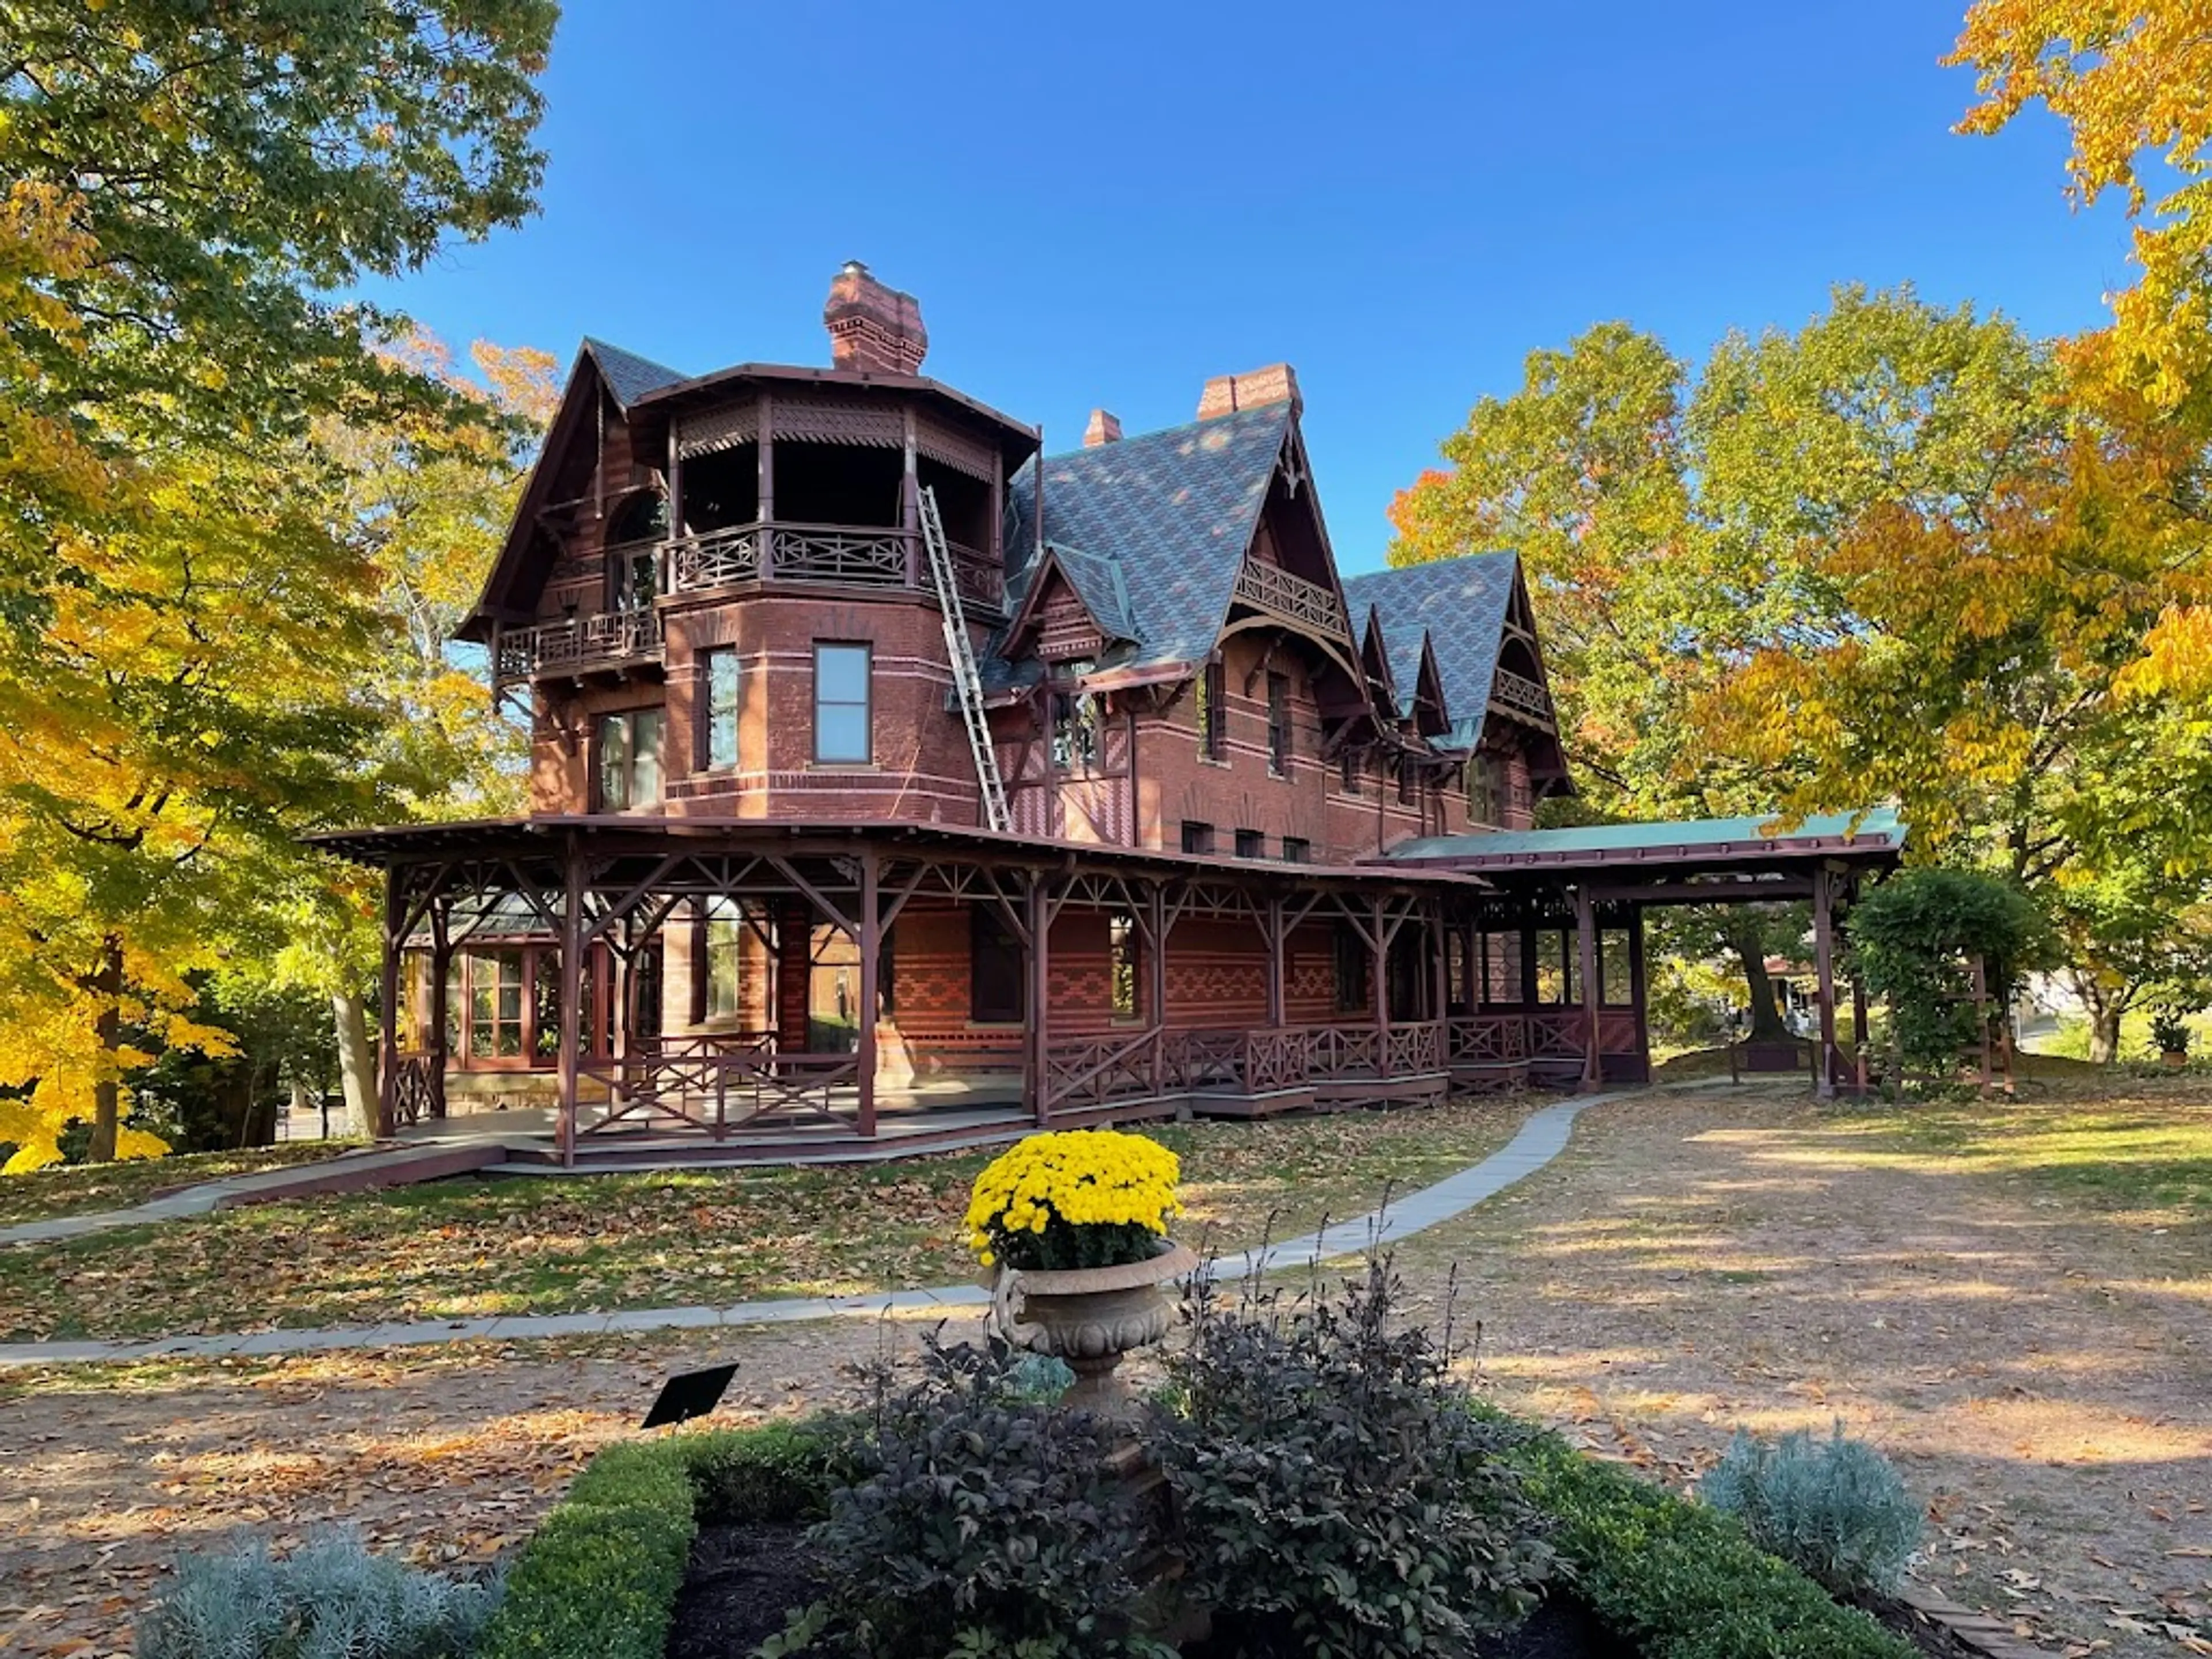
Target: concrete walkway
x,y
348,1172
1539,1139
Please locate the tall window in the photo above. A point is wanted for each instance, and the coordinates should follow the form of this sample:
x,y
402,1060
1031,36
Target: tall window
x,y
721,959
1483,804
1354,992
841,703
1350,763
719,704
1122,959
1408,782
995,969
1616,961
630,759
1197,837
1279,724
1213,713
495,1004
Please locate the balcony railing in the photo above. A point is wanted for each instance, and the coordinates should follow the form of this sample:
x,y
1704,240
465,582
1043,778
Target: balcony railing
x,y
840,555
579,645
1293,598
1522,694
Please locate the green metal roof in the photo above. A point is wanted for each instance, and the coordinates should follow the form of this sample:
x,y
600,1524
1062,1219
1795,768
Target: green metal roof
x,y
1875,829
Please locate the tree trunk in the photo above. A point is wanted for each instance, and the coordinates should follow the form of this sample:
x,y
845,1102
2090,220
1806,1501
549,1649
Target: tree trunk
x,y
1766,1024
2105,1014
107,1090
356,1063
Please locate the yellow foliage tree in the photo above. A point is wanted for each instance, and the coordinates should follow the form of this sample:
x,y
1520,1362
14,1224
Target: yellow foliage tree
x,y
2130,82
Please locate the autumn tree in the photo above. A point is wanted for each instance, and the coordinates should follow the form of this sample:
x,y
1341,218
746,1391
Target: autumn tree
x,y
1884,558
2133,84
190,617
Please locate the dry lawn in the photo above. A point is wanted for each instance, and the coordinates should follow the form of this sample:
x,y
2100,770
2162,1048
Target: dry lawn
x,y
473,1249
2031,1344
2015,1303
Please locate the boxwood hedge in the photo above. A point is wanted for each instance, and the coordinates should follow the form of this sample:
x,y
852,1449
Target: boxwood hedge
x,y
1681,1580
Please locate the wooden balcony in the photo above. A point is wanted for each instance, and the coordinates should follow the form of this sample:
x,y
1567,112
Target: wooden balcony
x,y
1519,695
1274,591
838,556
613,641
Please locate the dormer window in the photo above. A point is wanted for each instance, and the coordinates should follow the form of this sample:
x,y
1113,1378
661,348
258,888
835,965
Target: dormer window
x,y
1076,728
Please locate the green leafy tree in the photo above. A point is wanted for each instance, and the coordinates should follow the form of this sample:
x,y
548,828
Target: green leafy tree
x,y
1897,554
195,617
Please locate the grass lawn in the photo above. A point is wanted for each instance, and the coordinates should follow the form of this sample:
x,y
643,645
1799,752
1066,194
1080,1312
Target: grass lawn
x,y
2009,1298
2144,1150
76,1189
474,1248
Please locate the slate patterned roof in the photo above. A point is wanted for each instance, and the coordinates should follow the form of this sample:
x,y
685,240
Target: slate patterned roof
x,y
1876,828
628,375
1460,604
1169,514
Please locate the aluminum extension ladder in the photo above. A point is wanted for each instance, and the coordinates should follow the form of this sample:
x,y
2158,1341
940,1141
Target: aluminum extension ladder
x,y
966,681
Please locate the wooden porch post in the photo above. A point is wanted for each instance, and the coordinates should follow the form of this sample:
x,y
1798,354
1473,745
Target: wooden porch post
x,y
1275,946
1586,945
441,965
1156,980
1823,967
1439,964
1040,994
1379,946
572,995
387,1067
872,945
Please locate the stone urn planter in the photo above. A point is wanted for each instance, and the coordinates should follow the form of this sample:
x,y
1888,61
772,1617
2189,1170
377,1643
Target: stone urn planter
x,y
1090,1316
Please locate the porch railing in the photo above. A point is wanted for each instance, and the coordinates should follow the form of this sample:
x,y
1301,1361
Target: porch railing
x,y
1093,1070
418,1087
577,644
1274,590
1521,695
843,554
724,1085
1487,1040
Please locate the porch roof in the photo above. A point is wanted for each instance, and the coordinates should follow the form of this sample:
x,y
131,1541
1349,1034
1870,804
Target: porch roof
x,y
1870,835
544,835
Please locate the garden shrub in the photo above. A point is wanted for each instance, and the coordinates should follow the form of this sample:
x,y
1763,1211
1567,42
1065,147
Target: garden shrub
x,y
330,1599
778,1472
1336,1491
1914,939
1837,1511
1682,1580
599,1580
979,1523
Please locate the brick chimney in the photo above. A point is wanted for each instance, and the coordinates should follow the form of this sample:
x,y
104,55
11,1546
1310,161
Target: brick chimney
x,y
873,328
1225,394
1104,428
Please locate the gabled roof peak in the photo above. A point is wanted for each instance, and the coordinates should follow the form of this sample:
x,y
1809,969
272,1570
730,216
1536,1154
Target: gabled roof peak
x,y
628,375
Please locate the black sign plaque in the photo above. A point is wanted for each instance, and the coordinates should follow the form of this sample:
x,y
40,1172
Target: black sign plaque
x,y
692,1395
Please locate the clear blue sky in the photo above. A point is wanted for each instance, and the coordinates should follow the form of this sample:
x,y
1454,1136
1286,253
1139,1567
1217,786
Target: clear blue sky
x,y
1103,205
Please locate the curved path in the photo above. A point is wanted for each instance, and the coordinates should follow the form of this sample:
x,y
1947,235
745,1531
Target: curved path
x,y
1539,1139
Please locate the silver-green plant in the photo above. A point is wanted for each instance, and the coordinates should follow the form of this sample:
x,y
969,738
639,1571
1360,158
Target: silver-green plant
x,y
330,1599
1836,1510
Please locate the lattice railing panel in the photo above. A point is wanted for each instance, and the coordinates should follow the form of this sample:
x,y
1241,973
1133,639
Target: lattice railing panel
x,y
822,554
1271,588
720,558
1522,694
578,643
